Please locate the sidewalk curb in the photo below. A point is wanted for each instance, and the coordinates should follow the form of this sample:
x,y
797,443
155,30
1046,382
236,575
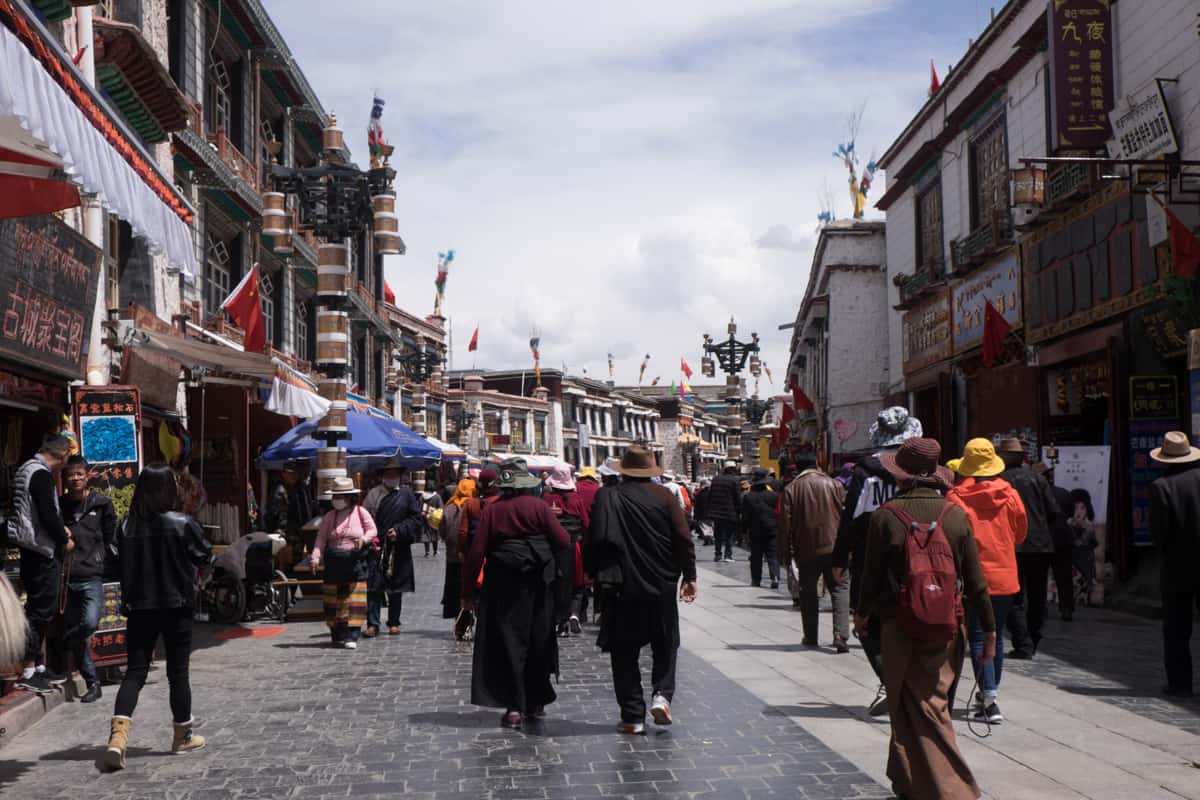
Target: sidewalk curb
x,y
21,710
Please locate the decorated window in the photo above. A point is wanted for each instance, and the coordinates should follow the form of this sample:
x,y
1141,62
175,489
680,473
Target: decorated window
x,y
929,228
301,349
266,290
218,278
989,174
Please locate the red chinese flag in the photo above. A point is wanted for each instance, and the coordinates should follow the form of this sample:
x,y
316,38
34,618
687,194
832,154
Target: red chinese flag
x,y
388,295
935,82
1185,247
474,345
785,417
683,366
995,330
800,399
244,306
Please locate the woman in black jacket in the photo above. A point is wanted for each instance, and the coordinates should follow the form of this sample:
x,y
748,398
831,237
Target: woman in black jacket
x,y
160,551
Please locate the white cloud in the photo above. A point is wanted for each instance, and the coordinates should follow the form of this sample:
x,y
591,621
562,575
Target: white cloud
x,y
606,171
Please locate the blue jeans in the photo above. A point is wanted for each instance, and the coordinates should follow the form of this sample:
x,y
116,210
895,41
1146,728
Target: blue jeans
x,y
988,675
724,533
84,601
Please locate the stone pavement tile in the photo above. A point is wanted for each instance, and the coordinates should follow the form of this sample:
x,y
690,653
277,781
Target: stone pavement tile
x,y
290,717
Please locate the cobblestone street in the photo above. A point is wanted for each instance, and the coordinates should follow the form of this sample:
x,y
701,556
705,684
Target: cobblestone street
x,y
289,717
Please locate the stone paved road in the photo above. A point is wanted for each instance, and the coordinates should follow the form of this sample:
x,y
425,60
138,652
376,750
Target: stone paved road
x,y
288,717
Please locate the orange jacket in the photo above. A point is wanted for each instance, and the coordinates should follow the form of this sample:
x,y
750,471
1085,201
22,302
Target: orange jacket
x,y
998,522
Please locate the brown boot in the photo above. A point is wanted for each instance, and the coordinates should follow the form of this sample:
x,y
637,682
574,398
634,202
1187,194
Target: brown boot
x,y
118,739
186,741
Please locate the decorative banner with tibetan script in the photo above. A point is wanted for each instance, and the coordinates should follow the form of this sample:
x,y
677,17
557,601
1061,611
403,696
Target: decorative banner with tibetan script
x,y
999,283
49,276
1081,73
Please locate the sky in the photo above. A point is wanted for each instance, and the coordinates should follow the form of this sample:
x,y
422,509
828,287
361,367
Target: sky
x,y
622,176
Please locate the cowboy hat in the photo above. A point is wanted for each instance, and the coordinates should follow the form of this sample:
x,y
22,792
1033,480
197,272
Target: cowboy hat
x,y
1011,445
917,458
514,474
343,486
560,478
979,460
1176,449
638,462
893,427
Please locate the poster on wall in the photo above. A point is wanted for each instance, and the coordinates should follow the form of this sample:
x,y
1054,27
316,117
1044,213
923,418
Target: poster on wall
x,y
1083,471
108,420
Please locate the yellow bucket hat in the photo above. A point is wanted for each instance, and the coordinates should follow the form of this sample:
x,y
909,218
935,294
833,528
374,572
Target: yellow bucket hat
x,y
979,460
953,463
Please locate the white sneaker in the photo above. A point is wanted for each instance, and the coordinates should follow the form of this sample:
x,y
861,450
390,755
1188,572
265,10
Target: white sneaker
x,y
660,709
631,728
878,707
576,625
350,645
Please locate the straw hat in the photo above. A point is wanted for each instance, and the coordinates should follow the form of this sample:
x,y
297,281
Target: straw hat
x,y
638,462
1176,449
343,486
979,460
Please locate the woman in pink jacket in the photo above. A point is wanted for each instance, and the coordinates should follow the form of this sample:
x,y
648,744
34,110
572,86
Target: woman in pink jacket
x,y
342,539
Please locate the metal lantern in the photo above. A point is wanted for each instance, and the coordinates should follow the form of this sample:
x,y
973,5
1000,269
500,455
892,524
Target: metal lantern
x,y
708,367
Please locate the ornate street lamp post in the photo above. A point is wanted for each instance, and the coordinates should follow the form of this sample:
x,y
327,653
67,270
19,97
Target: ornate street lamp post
x,y
335,201
733,357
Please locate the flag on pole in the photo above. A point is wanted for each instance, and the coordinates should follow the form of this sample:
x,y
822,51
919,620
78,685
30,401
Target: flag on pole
x,y
800,399
642,371
443,272
684,368
610,366
784,431
1185,247
685,391
388,295
935,82
674,389
767,370
244,306
534,343
474,345
657,378
995,331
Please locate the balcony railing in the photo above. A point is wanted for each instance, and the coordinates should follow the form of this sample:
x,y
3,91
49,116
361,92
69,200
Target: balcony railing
x,y
233,158
914,287
974,248
1066,182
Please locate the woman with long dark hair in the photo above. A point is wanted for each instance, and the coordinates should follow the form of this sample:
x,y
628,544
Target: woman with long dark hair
x,y
160,550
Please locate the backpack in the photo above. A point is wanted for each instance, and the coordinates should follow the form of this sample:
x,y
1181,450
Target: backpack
x,y
929,600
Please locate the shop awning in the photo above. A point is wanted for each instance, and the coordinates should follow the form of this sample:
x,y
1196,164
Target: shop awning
x,y
451,451
45,95
193,353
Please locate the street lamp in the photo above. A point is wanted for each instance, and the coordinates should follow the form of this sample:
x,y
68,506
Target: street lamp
x,y
733,357
755,409
420,365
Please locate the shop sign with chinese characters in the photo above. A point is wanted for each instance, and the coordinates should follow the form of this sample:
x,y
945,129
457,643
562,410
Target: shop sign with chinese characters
x,y
1001,285
1153,397
1081,73
926,333
1142,126
49,276
109,422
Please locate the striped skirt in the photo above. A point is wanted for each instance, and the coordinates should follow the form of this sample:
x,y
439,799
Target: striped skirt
x,y
345,604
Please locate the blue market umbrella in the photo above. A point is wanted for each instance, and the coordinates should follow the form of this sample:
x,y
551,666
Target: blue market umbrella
x,y
374,440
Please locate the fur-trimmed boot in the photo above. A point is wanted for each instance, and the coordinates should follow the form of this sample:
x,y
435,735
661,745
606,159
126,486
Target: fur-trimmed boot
x,y
185,741
118,740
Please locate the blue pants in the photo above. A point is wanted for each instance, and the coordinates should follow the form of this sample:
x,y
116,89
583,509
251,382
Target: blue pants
x,y
724,533
988,675
395,601
84,601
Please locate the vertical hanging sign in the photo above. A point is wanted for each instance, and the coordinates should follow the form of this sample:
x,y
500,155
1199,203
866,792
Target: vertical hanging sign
x,y
1081,73
109,422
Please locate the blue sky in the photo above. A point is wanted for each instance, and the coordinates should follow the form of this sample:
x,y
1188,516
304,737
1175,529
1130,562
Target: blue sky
x,y
619,176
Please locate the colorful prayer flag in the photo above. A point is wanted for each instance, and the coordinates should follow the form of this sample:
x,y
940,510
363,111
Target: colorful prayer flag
x,y
684,368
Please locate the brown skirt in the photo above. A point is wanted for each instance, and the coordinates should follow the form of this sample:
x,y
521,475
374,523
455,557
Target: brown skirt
x,y
345,604
923,760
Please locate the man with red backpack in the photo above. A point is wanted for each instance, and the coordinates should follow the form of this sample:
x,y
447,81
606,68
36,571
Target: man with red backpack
x,y
921,563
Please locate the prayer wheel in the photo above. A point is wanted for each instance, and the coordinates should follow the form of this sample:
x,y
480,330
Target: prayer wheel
x,y
333,337
331,458
282,244
333,389
334,419
332,137
333,269
383,203
388,243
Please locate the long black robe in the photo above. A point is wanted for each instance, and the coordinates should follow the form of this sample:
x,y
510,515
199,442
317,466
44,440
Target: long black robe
x,y
393,571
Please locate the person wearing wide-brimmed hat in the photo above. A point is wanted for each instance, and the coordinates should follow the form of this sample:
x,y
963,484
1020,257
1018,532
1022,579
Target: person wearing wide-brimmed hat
x,y
1035,556
870,487
516,651
920,673
346,531
999,524
400,520
561,495
1175,526
638,548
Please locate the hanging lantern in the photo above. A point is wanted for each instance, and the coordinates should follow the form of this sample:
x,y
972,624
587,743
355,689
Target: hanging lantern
x,y
755,366
332,137
707,367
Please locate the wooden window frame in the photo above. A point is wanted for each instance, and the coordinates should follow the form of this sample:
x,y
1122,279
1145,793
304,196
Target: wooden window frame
x,y
982,207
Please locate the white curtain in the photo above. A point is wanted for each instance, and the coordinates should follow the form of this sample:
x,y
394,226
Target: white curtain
x,y
29,94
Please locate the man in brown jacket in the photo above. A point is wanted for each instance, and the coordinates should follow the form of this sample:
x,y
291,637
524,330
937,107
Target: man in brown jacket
x,y
810,510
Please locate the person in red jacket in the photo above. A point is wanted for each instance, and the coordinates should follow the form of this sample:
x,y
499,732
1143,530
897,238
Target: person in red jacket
x,y
574,514
999,524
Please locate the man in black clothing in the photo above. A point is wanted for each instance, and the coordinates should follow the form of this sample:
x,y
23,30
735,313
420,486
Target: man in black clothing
x,y
93,525
290,506
1175,526
725,508
758,515
1064,546
36,527
1035,556
638,546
